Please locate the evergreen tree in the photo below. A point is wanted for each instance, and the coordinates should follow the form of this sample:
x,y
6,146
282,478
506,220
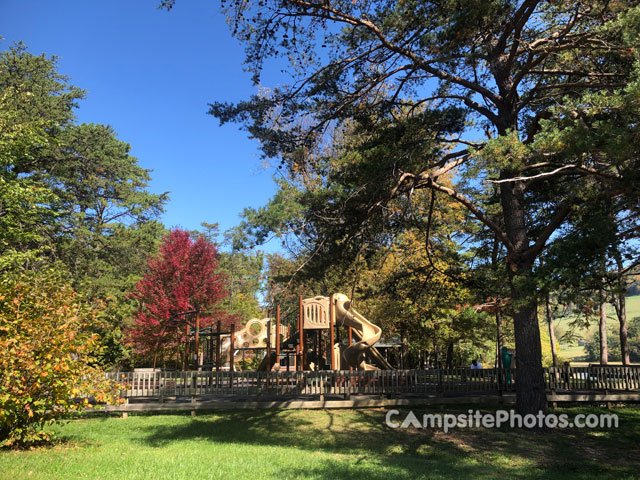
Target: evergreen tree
x,y
535,97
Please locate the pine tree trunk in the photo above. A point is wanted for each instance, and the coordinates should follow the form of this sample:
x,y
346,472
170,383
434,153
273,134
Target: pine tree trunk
x,y
552,332
531,396
530,389
621,311
622,318
604,350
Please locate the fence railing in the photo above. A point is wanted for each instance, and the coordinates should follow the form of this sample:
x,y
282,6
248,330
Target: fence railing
x,y
598,378
163,384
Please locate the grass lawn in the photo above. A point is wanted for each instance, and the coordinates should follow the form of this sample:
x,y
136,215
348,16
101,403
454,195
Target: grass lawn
x,y
577,354
340,444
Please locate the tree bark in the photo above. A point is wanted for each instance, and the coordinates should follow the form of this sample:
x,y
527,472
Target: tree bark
x,y
530,390
621,311
499,338
622,318
436,356
604,350
450,355
552,332
531,396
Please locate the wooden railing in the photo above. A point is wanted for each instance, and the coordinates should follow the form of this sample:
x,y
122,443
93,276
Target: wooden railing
x,y
613,378
164,384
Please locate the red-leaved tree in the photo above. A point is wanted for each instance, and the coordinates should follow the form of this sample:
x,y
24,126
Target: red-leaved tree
x,y
183,276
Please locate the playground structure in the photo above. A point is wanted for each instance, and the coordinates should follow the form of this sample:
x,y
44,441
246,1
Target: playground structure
x,y
315,343
310,364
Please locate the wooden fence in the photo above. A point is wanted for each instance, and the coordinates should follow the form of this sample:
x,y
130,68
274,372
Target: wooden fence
x,y
594,378
164,384
291,384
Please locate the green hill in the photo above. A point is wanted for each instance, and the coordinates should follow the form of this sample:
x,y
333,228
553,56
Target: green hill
x,y
573,351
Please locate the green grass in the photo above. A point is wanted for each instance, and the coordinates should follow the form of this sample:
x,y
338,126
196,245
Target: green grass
x,y
576,354
335,444
633,310
633,306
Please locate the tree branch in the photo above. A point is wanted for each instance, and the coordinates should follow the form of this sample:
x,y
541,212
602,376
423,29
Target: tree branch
x,y
561,214
325,10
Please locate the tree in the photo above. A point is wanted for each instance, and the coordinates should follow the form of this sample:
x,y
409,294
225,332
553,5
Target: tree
x,y
108,224
613,341
241,266
24,201
47,355
183,276
534,97
592,261
71,193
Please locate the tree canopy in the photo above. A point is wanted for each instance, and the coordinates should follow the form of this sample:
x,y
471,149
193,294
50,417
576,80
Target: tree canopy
x,y
184,276
530,103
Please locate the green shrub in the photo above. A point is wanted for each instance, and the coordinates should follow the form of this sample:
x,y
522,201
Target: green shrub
x,y
46,355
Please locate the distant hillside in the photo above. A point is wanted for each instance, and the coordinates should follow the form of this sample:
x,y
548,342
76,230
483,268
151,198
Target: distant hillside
x,y
574,352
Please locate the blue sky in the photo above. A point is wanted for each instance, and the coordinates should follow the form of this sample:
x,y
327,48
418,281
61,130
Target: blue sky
x,y
150,74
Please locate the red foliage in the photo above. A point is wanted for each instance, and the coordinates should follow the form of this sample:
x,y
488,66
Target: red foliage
x,y
183,276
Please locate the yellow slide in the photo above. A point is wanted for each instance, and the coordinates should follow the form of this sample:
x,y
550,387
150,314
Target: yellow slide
x,y
366,333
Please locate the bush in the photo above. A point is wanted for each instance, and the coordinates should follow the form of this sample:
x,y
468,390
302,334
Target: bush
x,y
46,355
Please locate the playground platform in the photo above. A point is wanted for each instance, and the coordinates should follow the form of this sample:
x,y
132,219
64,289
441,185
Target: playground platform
x,y
211,390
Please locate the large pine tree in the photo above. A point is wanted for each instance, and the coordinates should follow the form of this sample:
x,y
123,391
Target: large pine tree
x,y
534,101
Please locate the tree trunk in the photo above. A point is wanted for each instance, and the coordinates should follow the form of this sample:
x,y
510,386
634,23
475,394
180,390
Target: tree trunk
x,y
604,350
530,389
499,338
621,311
622,318
552,332
436,356
450,355
531,396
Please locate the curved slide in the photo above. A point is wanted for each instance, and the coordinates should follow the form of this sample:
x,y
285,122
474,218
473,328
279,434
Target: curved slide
x,y
366,333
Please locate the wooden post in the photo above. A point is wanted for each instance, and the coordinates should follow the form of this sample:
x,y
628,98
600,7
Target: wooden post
x,y
301,333
232,346
268,346
197,339
218,346
278,333
296,359
187,353
332,321
350,342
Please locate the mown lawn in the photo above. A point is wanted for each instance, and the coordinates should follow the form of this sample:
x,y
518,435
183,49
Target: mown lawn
x,y
576,354
340,444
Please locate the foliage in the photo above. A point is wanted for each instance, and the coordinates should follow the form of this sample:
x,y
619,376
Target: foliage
x,y
241,266
71,193
184,276
532,103
592,345
252,362
47,355
23,201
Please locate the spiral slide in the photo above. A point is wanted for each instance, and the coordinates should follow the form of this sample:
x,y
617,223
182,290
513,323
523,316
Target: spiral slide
x,y
366,333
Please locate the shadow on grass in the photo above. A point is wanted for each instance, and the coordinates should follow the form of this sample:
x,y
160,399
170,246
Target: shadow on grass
x,y
377,451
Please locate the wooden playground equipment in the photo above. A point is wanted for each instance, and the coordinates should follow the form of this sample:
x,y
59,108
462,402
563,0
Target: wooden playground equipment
x,y
331,353
328,334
